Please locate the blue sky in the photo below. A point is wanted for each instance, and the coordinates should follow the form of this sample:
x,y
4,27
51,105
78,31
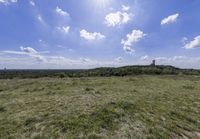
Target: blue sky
x,y
44,34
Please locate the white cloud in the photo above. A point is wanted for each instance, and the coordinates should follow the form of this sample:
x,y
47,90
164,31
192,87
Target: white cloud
x,y
61,12
179,61
39,61
91,36
118,18
85,60
125,8
14,52
128,49
24,51
39,58
172,59
193,44
64,29
28,50
41,20
7,2
42,43
176,58
162,59
170,19
119,59
146,57
132,38
32,3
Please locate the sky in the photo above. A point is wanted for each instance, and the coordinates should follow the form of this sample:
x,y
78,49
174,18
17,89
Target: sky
x,y
74,34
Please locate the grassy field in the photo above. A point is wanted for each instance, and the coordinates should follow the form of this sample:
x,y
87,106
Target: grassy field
x,y
99,107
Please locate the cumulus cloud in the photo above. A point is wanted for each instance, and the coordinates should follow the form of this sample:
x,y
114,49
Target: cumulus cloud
x,y
118,18
91,36
193,44
7,2
61,12
132,38
170,19
64,29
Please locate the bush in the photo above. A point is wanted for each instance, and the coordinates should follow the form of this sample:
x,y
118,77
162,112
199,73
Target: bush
x,y
62,75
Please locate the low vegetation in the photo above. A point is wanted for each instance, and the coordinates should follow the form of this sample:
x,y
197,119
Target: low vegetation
x,y
140,106
99,72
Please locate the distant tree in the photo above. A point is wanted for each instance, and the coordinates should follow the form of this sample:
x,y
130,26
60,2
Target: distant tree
x,y
62,75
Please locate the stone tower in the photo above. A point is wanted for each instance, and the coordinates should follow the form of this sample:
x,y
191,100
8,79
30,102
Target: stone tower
x,y
153,63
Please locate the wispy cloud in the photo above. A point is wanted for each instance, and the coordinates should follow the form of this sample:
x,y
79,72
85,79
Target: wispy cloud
x,y
28,51
119,59
7,2
125,8
41,20
170,19
64,29
32,3
29,54
61,12
145,58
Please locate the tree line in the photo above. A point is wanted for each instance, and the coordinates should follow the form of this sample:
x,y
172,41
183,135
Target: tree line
x,y
104,72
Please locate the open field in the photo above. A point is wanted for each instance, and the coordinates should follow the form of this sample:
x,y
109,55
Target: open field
x,y
101,107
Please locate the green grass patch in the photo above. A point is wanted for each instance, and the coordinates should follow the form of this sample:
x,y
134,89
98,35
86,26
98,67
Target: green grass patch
x,y
99,107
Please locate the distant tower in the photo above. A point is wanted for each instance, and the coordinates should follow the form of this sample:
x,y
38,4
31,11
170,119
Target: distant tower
x,y
153,63
5,68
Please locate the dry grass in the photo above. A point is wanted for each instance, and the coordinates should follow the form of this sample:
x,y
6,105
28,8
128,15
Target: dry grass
x,y
97,107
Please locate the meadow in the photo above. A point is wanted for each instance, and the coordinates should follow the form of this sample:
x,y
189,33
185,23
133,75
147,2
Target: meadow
x,y
139,106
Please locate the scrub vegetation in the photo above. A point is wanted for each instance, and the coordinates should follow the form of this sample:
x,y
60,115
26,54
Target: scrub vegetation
x,y
99,72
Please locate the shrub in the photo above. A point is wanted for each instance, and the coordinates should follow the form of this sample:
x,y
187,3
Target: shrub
x,y
62,75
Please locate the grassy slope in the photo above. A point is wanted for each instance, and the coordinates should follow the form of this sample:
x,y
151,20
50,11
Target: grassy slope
x,y
99,107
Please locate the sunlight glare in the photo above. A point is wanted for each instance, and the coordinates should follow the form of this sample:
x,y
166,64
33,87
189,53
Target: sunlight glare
x,y
101,3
